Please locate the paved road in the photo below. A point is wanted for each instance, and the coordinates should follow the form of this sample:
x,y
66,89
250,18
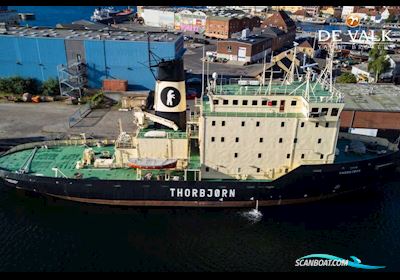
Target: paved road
x,y
20,120
193,64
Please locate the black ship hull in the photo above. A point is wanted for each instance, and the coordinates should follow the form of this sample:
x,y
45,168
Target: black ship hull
x,y
305,184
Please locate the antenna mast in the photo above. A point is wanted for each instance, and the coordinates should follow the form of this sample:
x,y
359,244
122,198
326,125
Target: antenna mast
x,y
272,74
202,73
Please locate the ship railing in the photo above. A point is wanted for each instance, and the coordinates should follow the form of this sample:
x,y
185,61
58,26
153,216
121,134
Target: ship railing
x,y
170,135
278,89
52,143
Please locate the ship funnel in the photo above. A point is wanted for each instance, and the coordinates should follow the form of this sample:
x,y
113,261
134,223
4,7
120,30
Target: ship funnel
x,y
170,93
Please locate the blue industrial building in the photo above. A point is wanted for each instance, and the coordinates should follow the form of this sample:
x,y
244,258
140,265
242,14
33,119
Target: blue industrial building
x,y
39,53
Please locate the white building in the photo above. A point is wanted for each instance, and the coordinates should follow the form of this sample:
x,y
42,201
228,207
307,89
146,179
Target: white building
x,y
158,17
347,10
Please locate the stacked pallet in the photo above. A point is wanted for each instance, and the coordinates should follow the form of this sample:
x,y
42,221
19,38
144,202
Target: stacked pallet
x,y
115,85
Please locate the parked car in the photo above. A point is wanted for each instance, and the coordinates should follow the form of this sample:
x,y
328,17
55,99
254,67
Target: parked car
x,y
201,41
191,93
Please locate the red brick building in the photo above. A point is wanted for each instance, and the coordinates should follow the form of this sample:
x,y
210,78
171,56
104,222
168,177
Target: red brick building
x,y
285,24
246,50
222,27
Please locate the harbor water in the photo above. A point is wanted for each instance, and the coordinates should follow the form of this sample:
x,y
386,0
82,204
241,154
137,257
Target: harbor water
x,y
51,15
44,234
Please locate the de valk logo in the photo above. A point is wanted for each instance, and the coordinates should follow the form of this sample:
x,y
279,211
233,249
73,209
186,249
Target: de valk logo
x,y
353,20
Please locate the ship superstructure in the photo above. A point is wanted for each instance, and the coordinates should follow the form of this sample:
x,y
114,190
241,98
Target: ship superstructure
x,y
240,143
262,131
244,130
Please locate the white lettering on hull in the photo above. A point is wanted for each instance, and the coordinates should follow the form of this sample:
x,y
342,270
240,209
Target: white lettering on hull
x,y
210,193
349,172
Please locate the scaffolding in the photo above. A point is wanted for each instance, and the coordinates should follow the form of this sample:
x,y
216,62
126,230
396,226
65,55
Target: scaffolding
x,y
72,78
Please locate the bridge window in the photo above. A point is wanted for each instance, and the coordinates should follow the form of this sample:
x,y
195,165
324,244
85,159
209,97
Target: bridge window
x,y
244,102
274,103
264,102
235,102
254,103
324,111
293,103
215,102
335,112
226,102
213,123
314,110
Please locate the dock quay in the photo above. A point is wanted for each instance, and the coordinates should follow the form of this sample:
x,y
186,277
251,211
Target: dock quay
x,y
374,106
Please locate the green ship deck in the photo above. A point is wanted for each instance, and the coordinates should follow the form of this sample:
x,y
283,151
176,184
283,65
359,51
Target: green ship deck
x,y
65,157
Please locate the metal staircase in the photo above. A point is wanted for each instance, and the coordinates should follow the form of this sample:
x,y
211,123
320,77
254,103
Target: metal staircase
x,y
72,78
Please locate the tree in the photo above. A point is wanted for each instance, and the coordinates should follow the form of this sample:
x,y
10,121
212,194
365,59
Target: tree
x,y
378,62
346,78
19,85
391,19
50,87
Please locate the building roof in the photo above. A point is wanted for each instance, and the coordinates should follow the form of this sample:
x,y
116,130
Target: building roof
x,y
301,13
252,40
371,97
79,34
395,57
268,31
394,11
85,24
305,44
280,20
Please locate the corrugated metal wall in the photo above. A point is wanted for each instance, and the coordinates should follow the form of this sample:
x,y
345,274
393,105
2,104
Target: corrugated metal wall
x,y
39,57
73,49
125,60
31,57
